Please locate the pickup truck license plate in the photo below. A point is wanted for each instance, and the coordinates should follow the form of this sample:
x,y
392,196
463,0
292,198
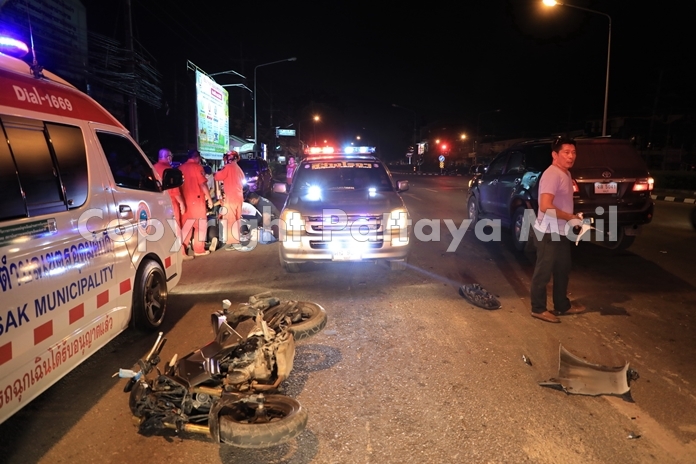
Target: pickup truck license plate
x,y
605,187
346,254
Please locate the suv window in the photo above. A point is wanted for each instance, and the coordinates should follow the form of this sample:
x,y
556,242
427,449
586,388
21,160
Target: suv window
x,y
43,168
616,155
497,165
515,162
343,175
128,166
538,157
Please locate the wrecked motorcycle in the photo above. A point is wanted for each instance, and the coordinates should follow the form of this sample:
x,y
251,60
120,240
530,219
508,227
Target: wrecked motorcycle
x,y
229,388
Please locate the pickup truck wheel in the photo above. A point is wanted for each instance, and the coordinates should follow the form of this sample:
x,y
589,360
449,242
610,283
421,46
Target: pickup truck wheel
x,y
397,265
472,209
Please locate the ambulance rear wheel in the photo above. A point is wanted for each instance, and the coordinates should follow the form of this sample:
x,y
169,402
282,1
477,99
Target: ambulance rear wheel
x,y
149,296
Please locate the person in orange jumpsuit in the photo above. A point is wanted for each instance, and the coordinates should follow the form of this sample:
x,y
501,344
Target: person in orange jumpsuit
x,y
164,161
232,178
198,200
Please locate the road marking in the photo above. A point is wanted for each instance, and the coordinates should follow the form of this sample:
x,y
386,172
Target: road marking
x,y
431,190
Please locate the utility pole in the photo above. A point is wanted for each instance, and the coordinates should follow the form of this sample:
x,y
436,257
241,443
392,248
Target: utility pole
x,y
132,99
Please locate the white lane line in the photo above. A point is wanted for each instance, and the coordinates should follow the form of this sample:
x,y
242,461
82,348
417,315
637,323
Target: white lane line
x,y
431,190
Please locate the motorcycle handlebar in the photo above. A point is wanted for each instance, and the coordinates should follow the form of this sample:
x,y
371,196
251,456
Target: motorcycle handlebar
x,y
157,347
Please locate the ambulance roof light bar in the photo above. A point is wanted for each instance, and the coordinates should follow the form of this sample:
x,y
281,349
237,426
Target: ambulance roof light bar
x,y
13,47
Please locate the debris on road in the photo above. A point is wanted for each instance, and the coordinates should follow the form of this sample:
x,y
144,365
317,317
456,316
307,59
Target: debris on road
x,y
579,377
526,360
477,295
633,436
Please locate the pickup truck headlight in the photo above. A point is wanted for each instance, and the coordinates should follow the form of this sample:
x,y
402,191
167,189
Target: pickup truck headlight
x,y
398,223
290,227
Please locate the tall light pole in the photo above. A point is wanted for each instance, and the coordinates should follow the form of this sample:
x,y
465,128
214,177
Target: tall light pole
x,y
256,126
478,130
315,118
415,122
606,84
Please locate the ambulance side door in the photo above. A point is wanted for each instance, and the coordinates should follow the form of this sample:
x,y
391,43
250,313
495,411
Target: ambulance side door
x,y
143,210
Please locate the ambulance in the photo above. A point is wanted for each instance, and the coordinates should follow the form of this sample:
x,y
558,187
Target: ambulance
x,y
88,243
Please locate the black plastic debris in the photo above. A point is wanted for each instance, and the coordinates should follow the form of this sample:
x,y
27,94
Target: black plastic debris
x,y
579,377
478,296
526,360
633,436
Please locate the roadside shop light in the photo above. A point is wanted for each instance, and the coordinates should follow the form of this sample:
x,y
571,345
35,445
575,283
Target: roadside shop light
x,y
576,189
644,185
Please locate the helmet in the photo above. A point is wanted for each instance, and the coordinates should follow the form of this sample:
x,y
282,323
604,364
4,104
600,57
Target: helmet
x,y
231,156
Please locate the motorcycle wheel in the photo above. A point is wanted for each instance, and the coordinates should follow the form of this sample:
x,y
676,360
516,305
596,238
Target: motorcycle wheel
x,y
313,320
286,420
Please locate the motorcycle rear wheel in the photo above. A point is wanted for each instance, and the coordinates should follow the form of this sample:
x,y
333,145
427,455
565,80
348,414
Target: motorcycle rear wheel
x,y
287,420
313,320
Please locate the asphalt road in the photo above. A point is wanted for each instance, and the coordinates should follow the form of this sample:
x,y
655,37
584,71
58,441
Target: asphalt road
x,y
408,371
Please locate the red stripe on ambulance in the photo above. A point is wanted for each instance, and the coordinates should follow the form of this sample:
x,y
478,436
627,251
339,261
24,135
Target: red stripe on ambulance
x,y
5,353
125,286
77,313
43,332
168,262
102,299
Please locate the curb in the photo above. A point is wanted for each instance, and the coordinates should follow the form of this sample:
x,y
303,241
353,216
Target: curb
x,y
673,198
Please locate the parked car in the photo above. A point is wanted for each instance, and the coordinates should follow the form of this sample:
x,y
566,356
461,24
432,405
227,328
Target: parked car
x,y
258,175
608,175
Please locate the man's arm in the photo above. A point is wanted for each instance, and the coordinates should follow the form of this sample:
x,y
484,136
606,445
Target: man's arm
x,y
546,203
180,199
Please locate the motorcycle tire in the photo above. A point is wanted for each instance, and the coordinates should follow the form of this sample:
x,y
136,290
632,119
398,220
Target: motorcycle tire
x,y
313,320
288,420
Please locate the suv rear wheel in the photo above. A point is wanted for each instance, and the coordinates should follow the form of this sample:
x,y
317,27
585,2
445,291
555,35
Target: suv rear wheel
x,y
622,242
516,229
472,209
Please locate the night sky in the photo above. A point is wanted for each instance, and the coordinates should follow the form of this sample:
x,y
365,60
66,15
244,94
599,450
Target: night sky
x,y
447,62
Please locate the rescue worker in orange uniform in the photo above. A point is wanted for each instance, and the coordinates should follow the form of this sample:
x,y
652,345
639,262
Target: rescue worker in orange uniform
x,y
164,161
232,178
198,200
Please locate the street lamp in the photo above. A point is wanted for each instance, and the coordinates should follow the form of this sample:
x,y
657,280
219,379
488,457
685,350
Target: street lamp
x,y
256,126
606,84
314,118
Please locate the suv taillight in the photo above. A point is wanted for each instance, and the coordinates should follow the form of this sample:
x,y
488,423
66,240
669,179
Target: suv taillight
x,y
576,189
644,185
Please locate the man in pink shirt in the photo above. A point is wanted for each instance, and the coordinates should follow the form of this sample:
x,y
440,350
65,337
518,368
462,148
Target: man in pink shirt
x,y
553,248
197,198
232,178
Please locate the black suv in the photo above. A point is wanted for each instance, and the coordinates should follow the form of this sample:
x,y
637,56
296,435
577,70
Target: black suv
x,y
608,176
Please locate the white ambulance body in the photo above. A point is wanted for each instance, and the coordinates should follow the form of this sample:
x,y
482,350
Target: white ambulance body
x,y
86,238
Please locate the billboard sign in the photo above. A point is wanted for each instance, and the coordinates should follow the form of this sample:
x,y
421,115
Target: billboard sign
x,y
213,117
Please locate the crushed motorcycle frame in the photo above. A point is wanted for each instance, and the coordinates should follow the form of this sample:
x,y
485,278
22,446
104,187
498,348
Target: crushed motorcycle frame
x,y
229,390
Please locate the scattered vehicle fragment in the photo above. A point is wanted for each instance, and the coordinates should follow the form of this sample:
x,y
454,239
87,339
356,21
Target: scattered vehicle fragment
x,y
477,295
526,360
579,377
